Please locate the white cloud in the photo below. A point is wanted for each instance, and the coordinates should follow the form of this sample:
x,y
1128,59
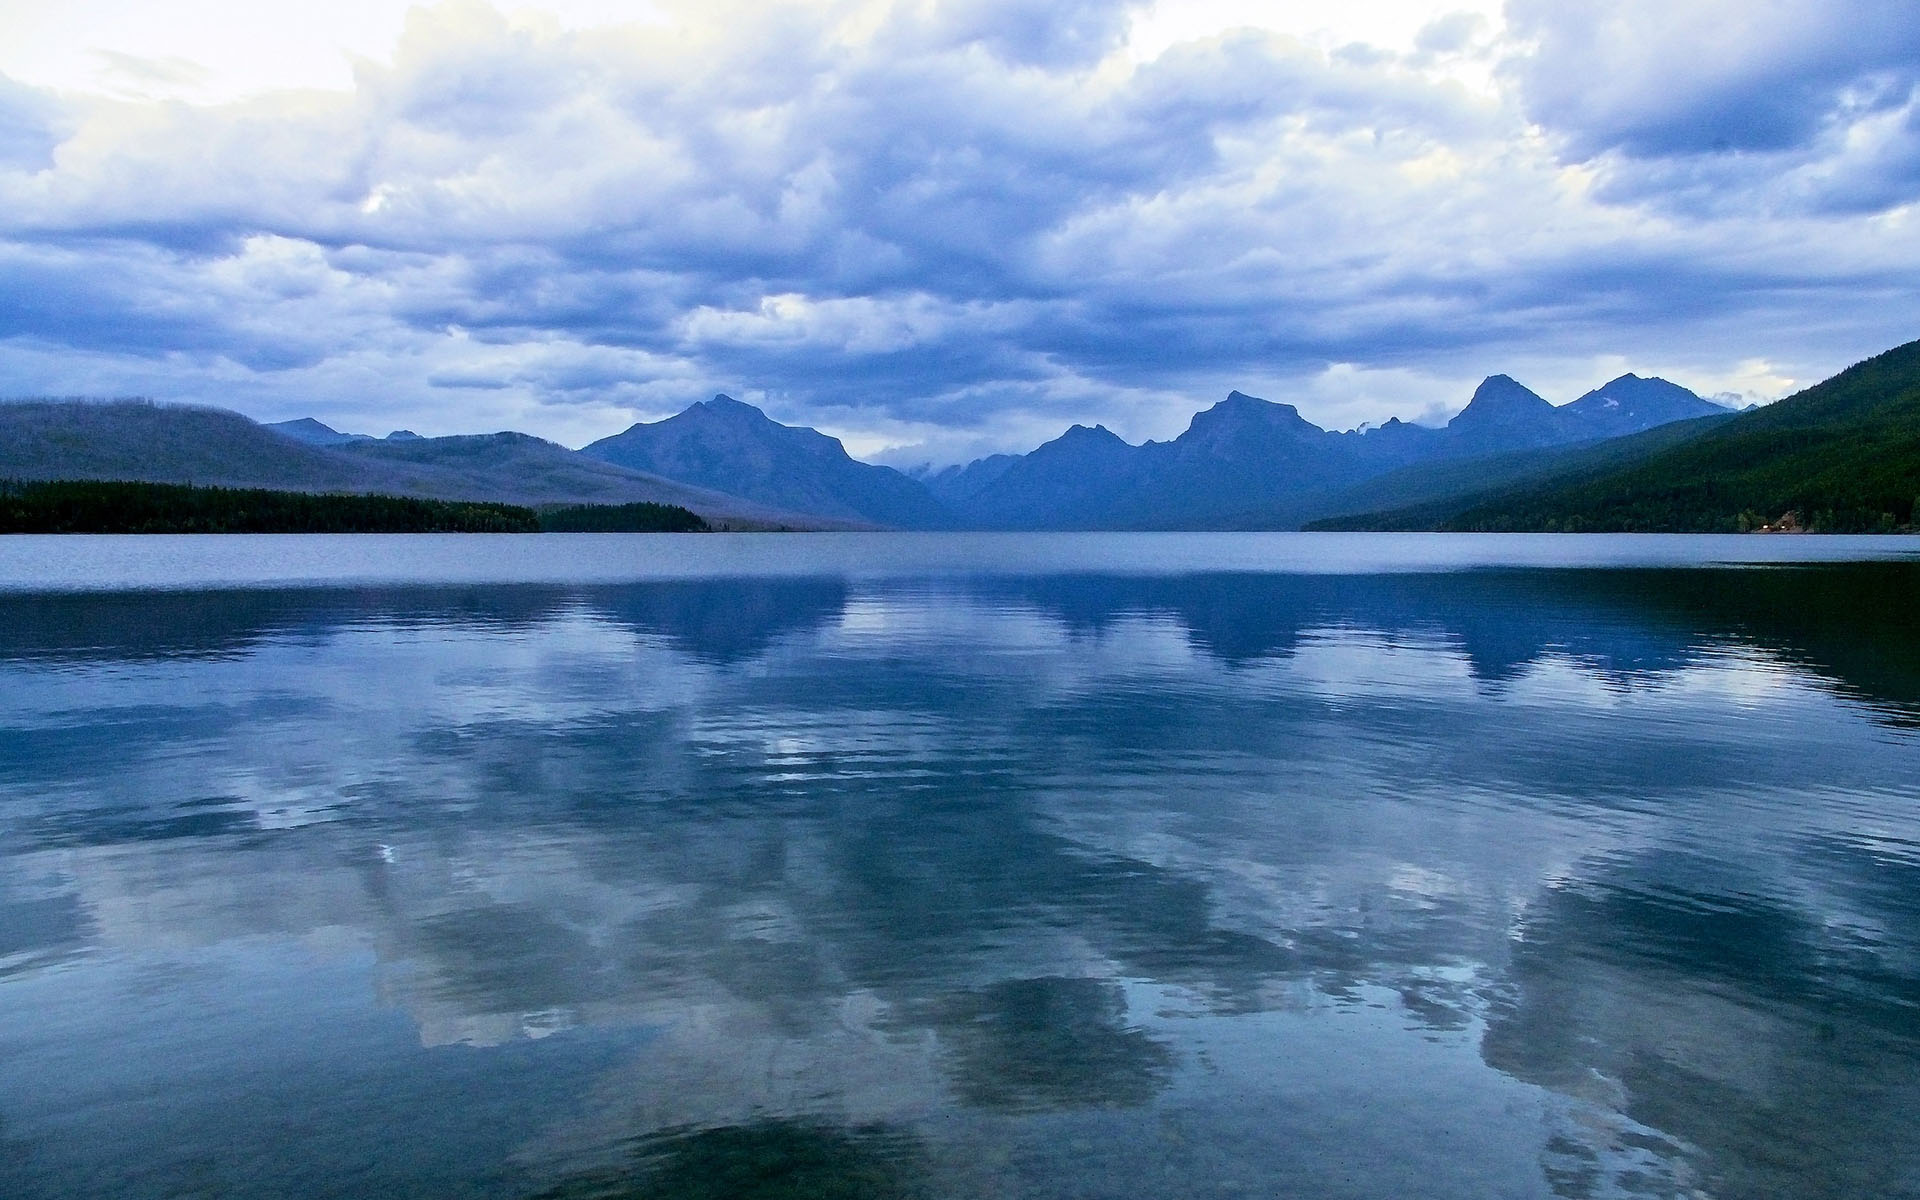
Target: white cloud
x,y
935,227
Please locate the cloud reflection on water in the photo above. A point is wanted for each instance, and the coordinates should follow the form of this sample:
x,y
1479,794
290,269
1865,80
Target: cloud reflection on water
x,y
860,853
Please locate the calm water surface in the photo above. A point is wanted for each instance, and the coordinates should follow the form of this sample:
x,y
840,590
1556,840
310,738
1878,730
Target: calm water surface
x,y
903,866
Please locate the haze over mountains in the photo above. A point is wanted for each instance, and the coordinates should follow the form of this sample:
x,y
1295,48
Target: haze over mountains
x,y
1242,463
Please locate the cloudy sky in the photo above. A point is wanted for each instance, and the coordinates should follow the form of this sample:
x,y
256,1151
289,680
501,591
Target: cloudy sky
x,y
943,227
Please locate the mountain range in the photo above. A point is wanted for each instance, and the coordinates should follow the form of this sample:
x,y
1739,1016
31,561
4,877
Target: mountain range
x,y
159,443
1248,463
1244,463
1841,456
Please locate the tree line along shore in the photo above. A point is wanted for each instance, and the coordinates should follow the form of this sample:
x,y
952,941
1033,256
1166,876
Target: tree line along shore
x,y
95,506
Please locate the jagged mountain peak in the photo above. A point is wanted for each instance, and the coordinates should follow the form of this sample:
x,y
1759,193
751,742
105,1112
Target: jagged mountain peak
x,y
1091,433
1503,394
1240,402
795,468
1505,414
1631,403
739,418
1084,445
1240,416
726,405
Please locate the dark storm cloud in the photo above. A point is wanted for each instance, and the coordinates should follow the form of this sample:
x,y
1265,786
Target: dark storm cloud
x,y
121,297
1655,78
971,213
1711,107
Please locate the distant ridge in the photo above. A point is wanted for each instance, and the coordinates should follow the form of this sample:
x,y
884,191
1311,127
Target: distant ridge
x,y
314,433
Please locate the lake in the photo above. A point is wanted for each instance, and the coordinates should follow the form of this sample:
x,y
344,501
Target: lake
x,y
959,866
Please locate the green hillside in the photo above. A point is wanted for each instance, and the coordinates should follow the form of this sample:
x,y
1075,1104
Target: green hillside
x,y
1841,457
1422,496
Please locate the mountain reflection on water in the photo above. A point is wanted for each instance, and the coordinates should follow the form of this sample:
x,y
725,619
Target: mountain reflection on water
x,y
1479,883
